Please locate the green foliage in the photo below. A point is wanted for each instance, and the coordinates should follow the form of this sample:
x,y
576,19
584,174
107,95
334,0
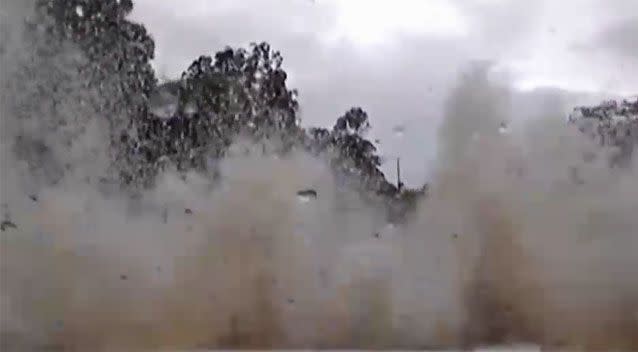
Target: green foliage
x,y
356,156
611,124
116,66
246,89
235,92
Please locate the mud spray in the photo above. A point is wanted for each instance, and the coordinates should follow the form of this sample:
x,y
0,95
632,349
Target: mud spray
x,y
507,248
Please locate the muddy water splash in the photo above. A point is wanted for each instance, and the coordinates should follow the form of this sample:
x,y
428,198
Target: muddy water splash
x,y
507,248
550,255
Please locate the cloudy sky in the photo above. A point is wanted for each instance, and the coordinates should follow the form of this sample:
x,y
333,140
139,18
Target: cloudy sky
x,y
398,59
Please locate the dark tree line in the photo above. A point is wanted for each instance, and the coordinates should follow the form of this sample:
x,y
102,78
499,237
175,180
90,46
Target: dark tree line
x,y
244,92
81,58
612,124
235,92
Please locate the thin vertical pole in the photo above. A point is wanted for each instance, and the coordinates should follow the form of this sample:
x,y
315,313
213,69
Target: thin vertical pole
x,y
399,184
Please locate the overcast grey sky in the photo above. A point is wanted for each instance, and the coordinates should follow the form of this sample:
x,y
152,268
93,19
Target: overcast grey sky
x,y
399,58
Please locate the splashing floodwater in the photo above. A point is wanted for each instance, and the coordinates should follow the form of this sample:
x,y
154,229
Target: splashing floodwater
x,y
491,256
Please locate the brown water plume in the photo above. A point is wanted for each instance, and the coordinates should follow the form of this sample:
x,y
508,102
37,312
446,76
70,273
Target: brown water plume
x,y
506,248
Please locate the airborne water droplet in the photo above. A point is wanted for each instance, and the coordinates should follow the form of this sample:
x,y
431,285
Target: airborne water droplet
x,y
306,195
190,108
79,11
399,130
502,128
164,102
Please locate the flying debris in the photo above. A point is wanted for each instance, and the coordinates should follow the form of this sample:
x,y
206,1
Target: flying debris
x,y
306,195
6,224
399,130
188,211
503,128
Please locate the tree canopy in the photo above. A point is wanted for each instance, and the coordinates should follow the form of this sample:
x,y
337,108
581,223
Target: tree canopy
x,y
613,124
234,92
218,98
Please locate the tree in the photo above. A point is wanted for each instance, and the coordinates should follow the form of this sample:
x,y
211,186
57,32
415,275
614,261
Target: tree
x,y
246,89
356,159
349,138
612,124
236,92
354,155
78,62
87,50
